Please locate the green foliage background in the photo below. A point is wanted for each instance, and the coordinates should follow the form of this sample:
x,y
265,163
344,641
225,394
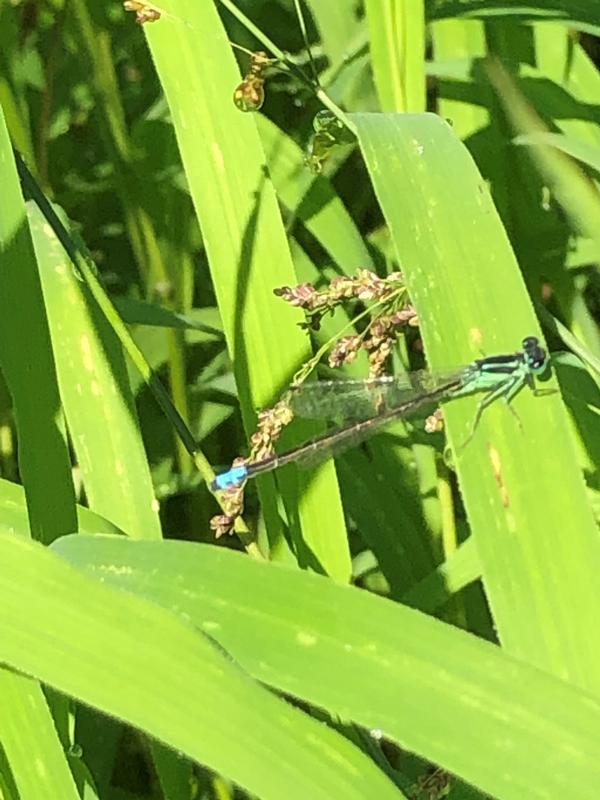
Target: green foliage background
x,y
139,336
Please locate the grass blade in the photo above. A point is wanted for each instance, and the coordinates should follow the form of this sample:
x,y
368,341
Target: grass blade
x,y
539,554
397,45
159,673
245,244
375,662
44,461
579,14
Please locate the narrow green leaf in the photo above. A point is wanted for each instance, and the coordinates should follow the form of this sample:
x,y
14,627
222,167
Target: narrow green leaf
x,y
580,14
400,541
337,24
582,151
582,397
459,41
44,461
137,312
95,393
461,569
37,761
571,187
397,47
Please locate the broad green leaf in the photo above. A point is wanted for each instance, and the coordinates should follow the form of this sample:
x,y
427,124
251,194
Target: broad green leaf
x,y
387,667
520,480
134,660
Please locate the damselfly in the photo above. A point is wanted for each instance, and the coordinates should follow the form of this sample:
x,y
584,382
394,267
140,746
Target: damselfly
x,y
378,402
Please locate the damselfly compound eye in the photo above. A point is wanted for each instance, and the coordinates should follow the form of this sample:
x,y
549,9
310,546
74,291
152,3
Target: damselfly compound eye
x,y
535,355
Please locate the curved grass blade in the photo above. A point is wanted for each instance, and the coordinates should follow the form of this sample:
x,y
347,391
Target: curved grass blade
x,y
161,674
520,480
583,151
374,662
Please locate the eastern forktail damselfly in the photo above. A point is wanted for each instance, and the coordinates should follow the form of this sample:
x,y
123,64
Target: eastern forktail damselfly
x,y
380,401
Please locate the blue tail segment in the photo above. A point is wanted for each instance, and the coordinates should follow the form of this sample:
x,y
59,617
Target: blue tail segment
x,y
233,477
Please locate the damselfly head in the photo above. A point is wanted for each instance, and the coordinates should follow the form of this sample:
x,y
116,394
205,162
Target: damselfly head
x,y
535,355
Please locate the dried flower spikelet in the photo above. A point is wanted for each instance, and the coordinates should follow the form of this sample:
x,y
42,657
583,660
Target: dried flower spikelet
x,y
304,295
370,285
222,524
435,422
344,351
395,277
405,316
259,61
271,421
380,331
143,13
342,288
261,446
232,501
378,357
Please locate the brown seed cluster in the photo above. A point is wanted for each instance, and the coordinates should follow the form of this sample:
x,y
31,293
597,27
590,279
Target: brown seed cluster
x,y
383,333
232,502
365,285
143,12
271,422
435,422
250,94
378,340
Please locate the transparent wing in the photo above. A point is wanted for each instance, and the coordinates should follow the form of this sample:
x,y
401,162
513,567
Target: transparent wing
x,y
341,439
360,399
